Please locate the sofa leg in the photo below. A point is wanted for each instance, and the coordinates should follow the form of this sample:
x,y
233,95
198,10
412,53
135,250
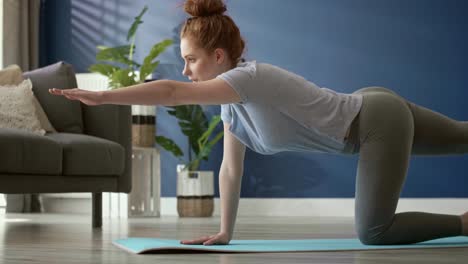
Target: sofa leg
x,y
97,210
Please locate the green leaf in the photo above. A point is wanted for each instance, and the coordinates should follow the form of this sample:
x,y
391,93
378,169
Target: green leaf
x,y
116,54
169,145
213,142
205,151
194,125
102,47
192,121
104,69
122,78
206,146
214,122
136,23
146,70
107,53
148,65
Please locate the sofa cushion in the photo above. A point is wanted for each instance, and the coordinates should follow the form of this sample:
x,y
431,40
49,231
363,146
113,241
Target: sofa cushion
x,y
29,153
65,115
89,155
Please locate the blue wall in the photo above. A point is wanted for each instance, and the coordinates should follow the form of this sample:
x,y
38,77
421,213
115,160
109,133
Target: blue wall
x,y
417,48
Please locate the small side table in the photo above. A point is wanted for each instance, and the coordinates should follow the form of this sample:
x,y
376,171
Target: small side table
x,y
144,198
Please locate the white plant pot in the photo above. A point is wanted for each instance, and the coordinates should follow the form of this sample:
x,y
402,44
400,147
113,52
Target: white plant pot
x,y
195,193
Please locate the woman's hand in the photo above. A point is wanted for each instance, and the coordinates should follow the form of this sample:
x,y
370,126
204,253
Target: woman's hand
x,y
218,239
86,97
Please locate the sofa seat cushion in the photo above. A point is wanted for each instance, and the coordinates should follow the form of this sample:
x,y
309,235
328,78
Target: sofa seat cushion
x,y
89,155
23,152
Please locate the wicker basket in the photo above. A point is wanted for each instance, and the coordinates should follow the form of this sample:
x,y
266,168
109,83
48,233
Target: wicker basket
x,y
195,193
195,206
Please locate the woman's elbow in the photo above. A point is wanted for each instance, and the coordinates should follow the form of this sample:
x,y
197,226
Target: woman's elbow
x,y
171,96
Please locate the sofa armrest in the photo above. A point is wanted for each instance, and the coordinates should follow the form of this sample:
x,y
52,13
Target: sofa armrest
x,y
112,122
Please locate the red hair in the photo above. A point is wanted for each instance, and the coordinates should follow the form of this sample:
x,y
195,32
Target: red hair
x,y
212,29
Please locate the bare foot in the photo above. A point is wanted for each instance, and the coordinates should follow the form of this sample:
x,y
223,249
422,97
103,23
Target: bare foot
x,y
464,218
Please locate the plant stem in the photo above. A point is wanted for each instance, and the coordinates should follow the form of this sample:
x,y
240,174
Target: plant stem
x,y
189,150
132,45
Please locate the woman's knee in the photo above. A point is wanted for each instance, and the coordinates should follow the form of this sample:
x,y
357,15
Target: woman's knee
x,y
370,236
371,232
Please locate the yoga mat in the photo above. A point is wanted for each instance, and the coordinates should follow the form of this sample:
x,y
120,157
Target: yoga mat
x,y
139,245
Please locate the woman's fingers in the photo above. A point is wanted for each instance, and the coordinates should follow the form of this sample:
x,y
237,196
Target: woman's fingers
x,y
64,92
70,94
216,240
196,241
55,91
211,241
206,241
59,92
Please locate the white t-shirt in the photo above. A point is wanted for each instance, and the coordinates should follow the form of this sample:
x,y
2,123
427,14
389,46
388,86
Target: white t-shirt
x,y
282,111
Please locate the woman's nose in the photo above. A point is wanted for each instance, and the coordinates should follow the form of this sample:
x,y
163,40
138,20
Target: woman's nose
x,y
185,71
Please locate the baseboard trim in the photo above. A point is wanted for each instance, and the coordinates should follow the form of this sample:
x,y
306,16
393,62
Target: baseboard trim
x,y
316,207
340,207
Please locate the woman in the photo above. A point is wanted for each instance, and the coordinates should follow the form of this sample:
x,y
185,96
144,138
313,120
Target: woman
x,y
270,110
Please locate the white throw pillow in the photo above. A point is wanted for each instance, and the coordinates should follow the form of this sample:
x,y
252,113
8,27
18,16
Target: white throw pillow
x,y
17,108
13,76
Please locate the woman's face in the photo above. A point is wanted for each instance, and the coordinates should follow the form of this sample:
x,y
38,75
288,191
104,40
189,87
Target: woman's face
x,y
201,65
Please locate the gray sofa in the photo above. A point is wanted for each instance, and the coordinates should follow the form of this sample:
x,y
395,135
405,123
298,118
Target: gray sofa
x,y
91,151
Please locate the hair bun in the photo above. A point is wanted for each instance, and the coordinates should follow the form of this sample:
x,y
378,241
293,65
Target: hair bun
x,y
203,8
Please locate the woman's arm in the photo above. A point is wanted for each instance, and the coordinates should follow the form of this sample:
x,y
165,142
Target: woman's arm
x,y
230,179
161,92
229,191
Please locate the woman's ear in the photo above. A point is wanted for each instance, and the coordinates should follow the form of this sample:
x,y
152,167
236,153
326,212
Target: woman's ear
x,y
220,55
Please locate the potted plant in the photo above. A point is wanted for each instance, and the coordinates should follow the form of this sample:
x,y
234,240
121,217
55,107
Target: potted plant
x,y
124,71
195,190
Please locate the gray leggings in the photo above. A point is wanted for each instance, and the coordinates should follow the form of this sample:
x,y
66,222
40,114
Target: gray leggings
x,y
386,132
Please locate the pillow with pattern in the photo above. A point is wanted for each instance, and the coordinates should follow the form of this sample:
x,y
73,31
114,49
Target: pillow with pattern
x,y
17,108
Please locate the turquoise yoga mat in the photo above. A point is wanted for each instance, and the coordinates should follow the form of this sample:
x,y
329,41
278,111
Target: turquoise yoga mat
x,y
139,245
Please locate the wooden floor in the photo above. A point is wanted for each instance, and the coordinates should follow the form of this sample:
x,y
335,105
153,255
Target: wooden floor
x,y
51,238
